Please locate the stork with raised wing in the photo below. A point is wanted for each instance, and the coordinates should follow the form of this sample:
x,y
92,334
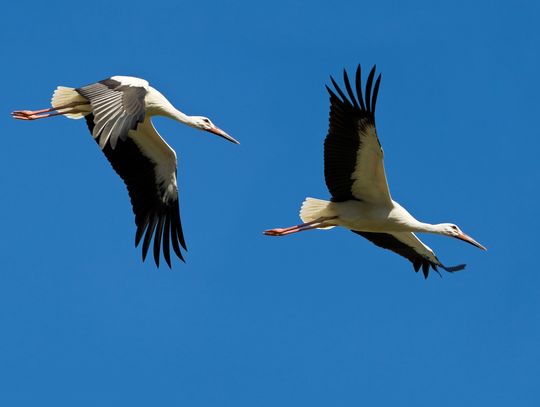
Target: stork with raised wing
x,y
118,112
355,176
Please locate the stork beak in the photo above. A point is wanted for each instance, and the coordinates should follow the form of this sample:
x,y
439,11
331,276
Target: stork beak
x,y
468,239
217,131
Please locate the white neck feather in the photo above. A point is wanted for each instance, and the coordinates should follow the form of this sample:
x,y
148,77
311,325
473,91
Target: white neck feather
x,y
429,228
177,115
158,105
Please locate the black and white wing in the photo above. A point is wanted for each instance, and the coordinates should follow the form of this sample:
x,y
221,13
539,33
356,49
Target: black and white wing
x,y
147,165
353,157
118,107
406,244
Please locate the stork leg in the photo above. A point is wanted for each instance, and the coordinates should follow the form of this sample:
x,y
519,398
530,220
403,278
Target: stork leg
x,y
37,114
321,222
18,116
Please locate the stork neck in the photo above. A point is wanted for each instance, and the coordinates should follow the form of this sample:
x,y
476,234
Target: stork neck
x,y
177,115
428,228
158,104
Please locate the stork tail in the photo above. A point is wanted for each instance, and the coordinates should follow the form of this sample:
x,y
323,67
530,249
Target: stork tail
x,y
313,209
64,96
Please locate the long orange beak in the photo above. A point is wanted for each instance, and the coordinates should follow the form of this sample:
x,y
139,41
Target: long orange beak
x,y
468,239
217,131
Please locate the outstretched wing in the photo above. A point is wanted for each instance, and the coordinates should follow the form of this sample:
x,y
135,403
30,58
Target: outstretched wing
x,y
353,157
406,244
118,107
147,164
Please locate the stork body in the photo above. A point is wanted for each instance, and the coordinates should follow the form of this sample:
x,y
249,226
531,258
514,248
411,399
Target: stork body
x,y
355,176
118,112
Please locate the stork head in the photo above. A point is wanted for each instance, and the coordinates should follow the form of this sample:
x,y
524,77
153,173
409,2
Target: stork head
x,y
204,123
449,229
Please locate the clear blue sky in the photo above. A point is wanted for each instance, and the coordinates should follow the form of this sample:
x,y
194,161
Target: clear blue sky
x,y
318,319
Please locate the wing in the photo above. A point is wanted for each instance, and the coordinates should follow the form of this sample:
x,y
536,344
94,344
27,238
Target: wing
x,y
353,157
147,165
117,105
406,244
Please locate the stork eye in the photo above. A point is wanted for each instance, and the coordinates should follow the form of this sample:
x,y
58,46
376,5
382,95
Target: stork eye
x,y
206,121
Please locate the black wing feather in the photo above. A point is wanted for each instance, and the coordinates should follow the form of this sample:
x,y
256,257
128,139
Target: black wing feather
x,y
390,242
157,238
140,229
375,92
166,241
174,239
148,237
149,208
349,89
344,98
342,142
369,84
359,87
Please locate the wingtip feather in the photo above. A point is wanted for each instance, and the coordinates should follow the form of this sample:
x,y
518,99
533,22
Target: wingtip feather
x,y
157,240
166,241
349,89
425,269
369,84
340,92
148,237
453,269
359,92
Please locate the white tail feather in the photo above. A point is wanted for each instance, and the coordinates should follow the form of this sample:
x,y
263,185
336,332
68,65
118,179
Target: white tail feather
x,y
313,209
64,96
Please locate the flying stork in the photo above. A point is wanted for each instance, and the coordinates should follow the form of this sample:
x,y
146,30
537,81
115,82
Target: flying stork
x,y
355,176
118,112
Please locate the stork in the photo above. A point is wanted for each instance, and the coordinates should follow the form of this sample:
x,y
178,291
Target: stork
x,y
118,113
355,177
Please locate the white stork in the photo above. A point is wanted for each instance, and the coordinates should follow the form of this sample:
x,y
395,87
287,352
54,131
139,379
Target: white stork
x,y
118,112
355,177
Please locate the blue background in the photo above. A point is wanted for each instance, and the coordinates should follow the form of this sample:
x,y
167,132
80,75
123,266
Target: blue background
x,y
317,319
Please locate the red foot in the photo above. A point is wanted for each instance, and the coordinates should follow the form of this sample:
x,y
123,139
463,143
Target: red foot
x,y
274,232
24,117
27,114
